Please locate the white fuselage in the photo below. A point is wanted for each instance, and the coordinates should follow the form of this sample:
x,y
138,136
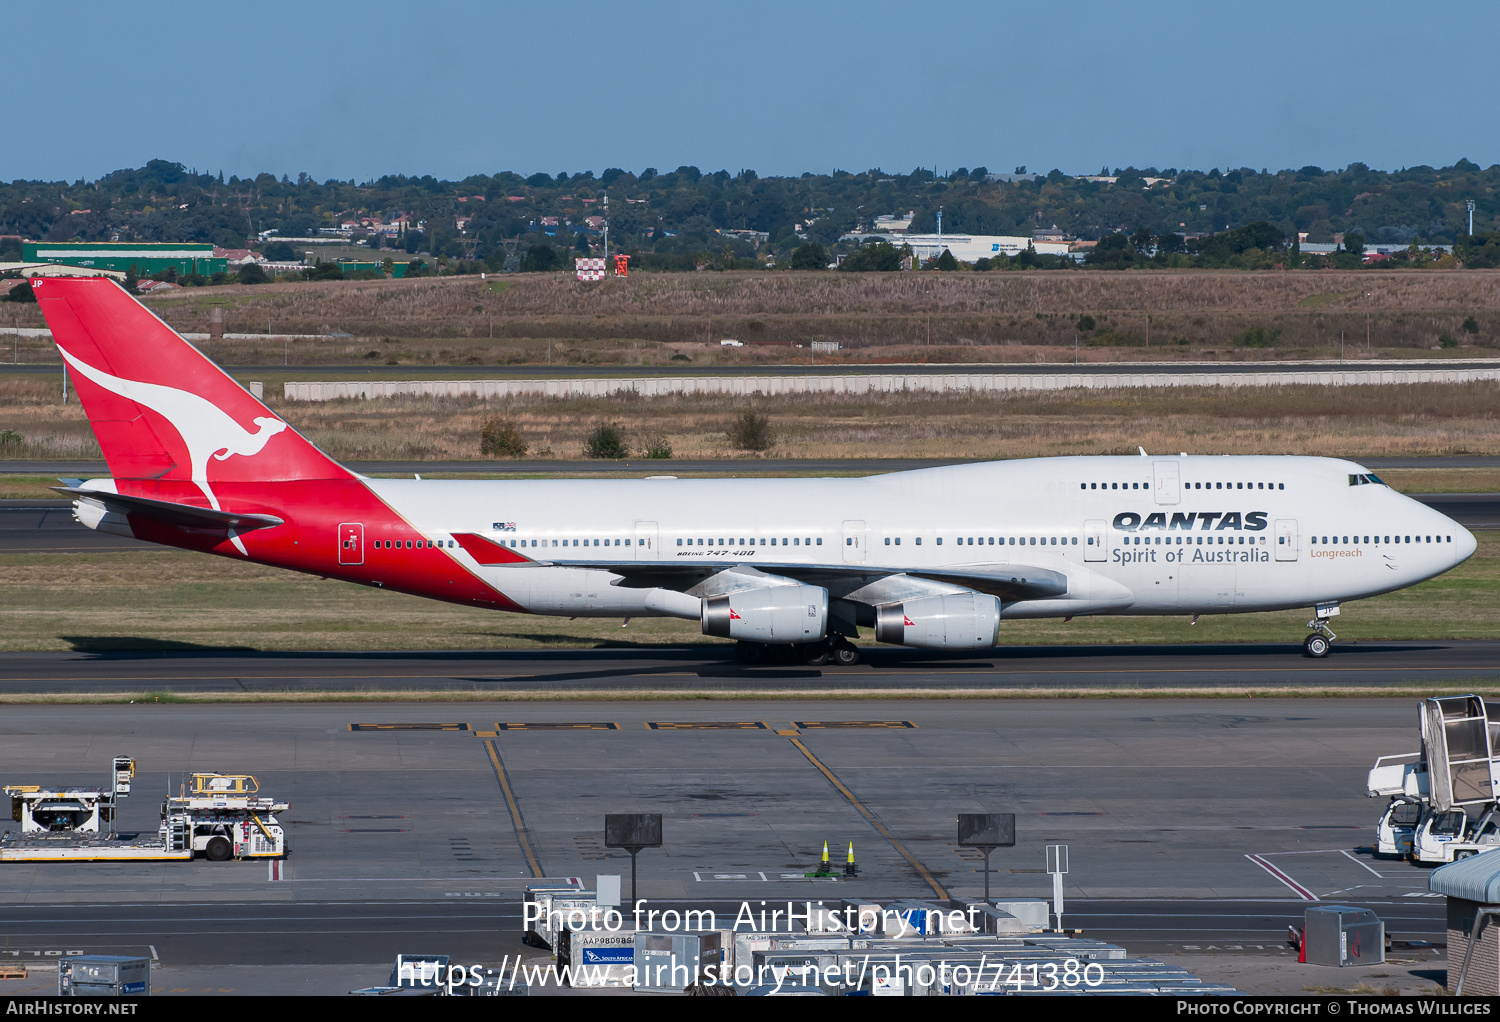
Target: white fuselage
x,y
1132,535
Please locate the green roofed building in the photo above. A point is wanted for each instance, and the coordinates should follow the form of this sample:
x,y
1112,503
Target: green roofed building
x,y
146,257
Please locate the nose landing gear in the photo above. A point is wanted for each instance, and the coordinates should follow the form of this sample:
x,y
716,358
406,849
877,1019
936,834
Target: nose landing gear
x,y
1320,641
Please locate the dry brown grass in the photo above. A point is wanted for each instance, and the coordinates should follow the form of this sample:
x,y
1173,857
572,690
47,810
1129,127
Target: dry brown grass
x,y
928,317
1353,421
32,406
1416,419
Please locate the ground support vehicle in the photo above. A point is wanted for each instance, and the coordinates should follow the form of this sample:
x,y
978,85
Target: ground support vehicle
x,y
1444,799
220,816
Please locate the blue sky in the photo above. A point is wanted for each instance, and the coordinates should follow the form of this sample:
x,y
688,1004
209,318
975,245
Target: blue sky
x,y
357,90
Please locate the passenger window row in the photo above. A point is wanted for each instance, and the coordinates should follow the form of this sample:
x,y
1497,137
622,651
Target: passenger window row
x,y
527,543
1194,486
1376,540
396,544
793,541
1190,540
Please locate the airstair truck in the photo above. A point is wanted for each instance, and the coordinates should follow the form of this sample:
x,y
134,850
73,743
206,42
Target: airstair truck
x,y
1443,798
220,816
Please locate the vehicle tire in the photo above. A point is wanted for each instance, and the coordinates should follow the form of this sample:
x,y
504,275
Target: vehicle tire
x,y
750,652
1462,855
846,656
1316,646
218,850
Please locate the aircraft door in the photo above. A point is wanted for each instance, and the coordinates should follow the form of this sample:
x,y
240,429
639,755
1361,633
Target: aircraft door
x,y
645,542
854,542
1168,488
352,543
1286,539
1093,541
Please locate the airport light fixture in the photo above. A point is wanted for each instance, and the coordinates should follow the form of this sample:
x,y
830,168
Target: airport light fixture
x,y
1470,203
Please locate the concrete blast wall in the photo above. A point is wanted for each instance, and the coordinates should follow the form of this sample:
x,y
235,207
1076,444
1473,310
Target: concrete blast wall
x,y
882,383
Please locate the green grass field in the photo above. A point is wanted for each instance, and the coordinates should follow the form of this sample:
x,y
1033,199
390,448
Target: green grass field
x,y
167,599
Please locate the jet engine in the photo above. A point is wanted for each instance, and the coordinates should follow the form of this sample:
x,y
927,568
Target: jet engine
x,y
961,621
795,613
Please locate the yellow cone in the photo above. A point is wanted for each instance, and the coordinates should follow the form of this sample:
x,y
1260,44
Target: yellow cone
x,y
851,853
825,853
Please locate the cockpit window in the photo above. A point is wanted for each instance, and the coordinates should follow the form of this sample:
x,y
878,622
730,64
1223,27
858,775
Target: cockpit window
x,y
1365,479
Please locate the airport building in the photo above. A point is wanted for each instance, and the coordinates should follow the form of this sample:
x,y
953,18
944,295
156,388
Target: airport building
x,y
966,248
146,257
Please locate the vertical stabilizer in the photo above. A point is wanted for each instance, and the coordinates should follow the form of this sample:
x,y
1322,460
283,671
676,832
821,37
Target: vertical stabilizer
x,y
160,409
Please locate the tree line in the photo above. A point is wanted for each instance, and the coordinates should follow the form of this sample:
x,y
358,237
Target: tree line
x,y
674,219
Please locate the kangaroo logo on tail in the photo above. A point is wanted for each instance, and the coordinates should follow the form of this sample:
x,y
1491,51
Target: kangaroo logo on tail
x,y
206,430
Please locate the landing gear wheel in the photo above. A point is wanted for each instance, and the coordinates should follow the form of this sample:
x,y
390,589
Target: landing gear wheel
x,y
749,652
217,850
846,654
815,655
1316,646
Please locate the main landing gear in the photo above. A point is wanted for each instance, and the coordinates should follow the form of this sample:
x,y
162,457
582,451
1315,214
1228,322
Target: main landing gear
x,y
837,650
1320,641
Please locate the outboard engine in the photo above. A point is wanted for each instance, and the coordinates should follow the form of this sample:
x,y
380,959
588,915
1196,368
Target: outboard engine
x,y
962,621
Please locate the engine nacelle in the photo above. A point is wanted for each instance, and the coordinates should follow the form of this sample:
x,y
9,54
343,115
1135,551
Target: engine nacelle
x,y
962,621
796,613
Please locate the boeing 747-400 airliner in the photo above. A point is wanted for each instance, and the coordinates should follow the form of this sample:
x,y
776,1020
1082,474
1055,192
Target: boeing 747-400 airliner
x,y
937,558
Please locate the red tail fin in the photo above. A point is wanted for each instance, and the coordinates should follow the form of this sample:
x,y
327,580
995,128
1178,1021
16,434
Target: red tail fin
x,y
160,408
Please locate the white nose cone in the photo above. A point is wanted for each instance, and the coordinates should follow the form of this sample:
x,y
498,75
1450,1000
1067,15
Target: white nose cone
x,y
1464,545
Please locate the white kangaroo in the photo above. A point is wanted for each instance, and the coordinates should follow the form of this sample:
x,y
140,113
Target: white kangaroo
x,y
206,430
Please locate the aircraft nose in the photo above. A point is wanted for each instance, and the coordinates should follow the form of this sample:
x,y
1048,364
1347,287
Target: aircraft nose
x,y
1464,544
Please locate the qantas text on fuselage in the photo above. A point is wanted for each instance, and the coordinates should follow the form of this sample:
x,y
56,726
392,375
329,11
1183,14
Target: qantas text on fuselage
x,y
936,558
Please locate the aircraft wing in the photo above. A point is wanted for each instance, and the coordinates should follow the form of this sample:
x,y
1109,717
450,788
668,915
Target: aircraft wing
x,y
862,584
174,514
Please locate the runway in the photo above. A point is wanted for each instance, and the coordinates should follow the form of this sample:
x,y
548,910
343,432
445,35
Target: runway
x,y
711,668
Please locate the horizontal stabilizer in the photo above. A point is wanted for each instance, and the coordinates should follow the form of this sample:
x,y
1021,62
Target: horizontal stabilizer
x,y
174,514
